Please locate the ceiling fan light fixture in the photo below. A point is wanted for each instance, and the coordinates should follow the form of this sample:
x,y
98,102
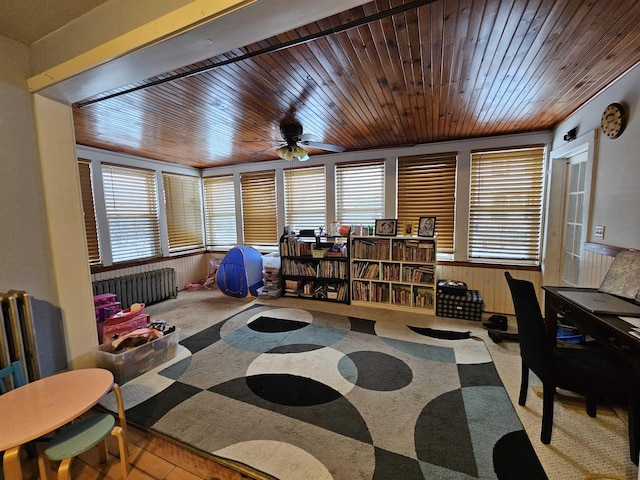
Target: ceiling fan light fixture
x,y
300,153
285,153
289,153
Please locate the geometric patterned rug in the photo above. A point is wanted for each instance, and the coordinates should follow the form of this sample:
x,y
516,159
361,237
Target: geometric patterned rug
x,y
300,394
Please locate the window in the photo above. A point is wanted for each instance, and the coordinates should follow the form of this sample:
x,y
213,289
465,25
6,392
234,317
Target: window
x,y
220,211
427,188
90,224
505,204
305,197
184,212
259,216
132,214
359,192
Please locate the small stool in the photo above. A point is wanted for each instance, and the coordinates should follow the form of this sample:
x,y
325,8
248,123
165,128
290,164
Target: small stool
x,y
214,264
77,438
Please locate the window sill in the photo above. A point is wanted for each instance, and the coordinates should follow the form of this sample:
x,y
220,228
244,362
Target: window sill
x,y
146,261
496,265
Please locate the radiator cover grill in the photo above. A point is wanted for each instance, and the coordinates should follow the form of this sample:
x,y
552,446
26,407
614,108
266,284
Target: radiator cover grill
x,y
17,335
145,287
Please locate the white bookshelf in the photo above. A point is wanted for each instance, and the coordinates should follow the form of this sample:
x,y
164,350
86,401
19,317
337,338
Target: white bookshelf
x,y
394,272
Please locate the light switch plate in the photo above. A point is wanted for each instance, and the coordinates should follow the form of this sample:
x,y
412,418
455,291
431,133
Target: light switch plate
x,y
599,232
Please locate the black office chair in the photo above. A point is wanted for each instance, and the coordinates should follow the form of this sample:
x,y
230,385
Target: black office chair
x,y
592,372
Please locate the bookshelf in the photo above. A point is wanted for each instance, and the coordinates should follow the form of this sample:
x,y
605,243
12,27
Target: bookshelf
x,y
394,272
315,267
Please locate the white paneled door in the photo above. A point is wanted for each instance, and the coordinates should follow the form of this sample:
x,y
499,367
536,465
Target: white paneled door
x,y
574,219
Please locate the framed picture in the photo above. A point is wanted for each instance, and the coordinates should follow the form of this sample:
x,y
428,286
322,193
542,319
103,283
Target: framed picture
x,y
427,227
387,226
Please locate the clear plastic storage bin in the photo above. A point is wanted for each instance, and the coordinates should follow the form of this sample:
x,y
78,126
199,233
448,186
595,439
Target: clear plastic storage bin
x,y
131,363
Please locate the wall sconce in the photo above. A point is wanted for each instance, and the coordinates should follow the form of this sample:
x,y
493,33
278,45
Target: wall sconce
x,y
571,134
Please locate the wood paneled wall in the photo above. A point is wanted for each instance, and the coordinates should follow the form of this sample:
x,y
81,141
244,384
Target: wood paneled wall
x,y
594,268
188,269
490,282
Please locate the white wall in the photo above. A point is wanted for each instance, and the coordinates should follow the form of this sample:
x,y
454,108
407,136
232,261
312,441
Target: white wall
x,y
25,250
24,247
615,196
59,167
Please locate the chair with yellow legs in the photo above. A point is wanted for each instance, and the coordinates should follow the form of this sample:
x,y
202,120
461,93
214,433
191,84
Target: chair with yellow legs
x,y
82,435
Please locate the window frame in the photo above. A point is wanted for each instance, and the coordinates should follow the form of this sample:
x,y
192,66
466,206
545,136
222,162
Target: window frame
x,y
218,197
413,201
138,206
495,197
348,182
463,148
259,208
185,229
92,235
305,186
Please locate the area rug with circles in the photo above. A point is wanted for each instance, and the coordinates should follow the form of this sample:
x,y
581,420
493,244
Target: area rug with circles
x,y
300,394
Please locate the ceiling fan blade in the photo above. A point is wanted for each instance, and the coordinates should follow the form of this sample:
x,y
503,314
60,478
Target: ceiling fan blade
x,y
267,149
323,146
306,137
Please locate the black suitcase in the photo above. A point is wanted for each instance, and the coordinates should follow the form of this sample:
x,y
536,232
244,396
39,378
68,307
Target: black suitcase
x,y
452,287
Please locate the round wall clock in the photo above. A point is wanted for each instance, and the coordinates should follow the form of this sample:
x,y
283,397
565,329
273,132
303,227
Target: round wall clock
x,y
613,120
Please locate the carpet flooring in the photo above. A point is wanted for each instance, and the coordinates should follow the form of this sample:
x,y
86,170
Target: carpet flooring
x,y
302,394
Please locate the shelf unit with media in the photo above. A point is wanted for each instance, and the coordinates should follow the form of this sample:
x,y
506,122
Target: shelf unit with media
x,y
394,272
316,268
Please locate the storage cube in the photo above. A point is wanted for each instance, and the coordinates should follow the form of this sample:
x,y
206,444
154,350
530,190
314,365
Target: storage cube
x,y
131,363
467,307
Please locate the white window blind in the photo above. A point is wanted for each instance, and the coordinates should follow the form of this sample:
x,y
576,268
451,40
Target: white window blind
x,y
88,207
427,188
259,216
359,192
132,213
183,207
305,198
220,211
505,214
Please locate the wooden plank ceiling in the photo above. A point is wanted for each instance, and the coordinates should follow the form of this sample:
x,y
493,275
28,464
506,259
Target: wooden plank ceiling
x,y
444,70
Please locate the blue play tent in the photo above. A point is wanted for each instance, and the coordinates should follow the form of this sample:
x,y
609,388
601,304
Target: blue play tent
x,y
240,272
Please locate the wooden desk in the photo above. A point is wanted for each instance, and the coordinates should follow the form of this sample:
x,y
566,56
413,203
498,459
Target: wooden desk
x,y
608,330
40,407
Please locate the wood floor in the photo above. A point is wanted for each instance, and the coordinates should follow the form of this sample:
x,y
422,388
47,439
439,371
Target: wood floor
x,y
151,458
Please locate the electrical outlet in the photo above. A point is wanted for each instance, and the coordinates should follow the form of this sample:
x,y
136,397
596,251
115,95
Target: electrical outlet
x,y
599,232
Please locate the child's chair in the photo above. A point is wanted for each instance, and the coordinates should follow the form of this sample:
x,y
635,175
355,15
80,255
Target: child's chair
x,y
11,377
82,435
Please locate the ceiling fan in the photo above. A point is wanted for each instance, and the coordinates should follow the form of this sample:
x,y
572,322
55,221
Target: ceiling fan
x,y
296,140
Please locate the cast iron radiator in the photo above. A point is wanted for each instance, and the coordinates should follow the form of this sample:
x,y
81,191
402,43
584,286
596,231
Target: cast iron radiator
x,y
145,287
17,337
